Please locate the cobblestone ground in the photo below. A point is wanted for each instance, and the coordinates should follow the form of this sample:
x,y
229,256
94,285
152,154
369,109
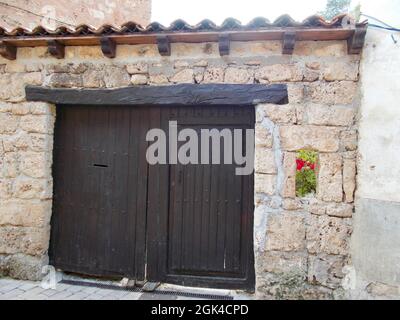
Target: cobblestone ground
x,y
11,289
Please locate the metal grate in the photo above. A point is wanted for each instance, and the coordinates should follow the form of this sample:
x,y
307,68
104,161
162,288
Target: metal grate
x,y
111,285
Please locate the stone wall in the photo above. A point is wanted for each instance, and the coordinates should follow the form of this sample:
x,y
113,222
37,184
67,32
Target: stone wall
x,y
52,13
301,245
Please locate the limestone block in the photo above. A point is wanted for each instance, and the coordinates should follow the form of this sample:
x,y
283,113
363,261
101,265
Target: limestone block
x,y
264,161
321,48
329,235
116,77
22,266
340,210
41,108
291,204
8,123
158,79
32,241
280,72
341,92
37,123
339,71
348,140
329,185
183,76
237,75
318,138
283,262
330,115
93,79
263,137
279,113
9,165
285,232
326,270
349,179
25,213
289,171
29,188
181,64
35,164
214,75
295,92
137,68
139,79
265,183
6,186
64,80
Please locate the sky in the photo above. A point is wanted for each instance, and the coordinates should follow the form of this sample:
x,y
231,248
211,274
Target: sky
x,y
193,11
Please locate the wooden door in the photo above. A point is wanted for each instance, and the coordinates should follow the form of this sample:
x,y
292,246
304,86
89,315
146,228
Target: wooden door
x,y
100,191
115,215
208,219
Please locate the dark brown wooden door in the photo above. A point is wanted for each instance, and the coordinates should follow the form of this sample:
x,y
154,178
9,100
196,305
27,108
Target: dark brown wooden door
x,y
100,190
208,226
114,214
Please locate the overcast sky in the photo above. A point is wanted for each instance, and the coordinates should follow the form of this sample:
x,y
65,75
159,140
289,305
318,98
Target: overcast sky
x,y
193,11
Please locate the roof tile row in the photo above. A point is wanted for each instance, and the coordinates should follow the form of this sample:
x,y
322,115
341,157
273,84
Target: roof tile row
x,y
182,26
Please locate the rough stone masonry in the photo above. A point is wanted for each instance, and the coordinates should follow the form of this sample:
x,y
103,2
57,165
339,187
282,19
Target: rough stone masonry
x,y
301,244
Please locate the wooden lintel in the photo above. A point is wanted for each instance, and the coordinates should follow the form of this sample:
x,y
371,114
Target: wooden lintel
x,y
8,51
224,44
164,45
288,42
56,49
181,94
108,47
356,42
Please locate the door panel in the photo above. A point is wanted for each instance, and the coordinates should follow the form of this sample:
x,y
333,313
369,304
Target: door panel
x,y
210,212
114,215
100,190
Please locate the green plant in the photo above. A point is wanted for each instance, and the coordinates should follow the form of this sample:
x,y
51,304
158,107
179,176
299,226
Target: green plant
x,y
306,181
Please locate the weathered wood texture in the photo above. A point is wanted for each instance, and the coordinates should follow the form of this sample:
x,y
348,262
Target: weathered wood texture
x,y
108,47
289,41
164,46
8,51
356,42
56,49
182,94
224,44
115,215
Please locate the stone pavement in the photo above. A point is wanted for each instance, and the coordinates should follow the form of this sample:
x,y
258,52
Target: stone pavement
x,y
11,289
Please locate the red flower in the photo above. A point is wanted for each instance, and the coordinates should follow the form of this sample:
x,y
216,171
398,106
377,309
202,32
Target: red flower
x,y
300,164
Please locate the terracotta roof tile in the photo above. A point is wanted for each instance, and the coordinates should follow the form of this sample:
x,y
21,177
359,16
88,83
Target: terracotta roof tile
x,y
179,26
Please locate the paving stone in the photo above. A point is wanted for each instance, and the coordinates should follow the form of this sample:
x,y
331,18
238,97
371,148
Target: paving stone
x,y
153,296
11,294
131,296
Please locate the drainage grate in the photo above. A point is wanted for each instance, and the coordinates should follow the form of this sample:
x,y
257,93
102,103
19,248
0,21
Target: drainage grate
x,y
105,285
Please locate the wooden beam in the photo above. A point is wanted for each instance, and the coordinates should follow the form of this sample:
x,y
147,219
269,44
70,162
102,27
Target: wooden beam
x,y
181,94
164,45
224,44
309,34
8,51
56,49
108,47
356,42
288,42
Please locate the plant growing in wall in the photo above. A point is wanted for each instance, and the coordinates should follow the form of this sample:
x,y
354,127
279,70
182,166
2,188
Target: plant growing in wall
x,y
306,181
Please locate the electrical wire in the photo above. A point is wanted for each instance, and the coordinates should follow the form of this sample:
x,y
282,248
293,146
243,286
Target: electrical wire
x,y
35,14
386,27
381,27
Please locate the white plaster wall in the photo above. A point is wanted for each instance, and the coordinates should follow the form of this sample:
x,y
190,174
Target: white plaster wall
x,y
379,145
375,246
